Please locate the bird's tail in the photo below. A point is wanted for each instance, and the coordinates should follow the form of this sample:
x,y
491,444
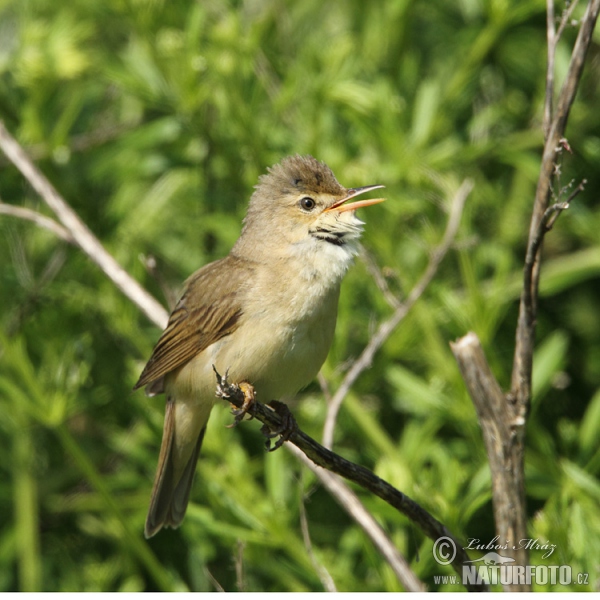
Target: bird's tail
x,y
171,491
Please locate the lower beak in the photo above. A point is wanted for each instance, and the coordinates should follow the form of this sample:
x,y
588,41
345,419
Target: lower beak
x,y
341,205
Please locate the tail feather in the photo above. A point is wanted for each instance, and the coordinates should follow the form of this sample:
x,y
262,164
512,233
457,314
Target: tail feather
x,y
169,497
181,494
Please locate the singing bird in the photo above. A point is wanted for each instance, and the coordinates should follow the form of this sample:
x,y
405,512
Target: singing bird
x,y
266,313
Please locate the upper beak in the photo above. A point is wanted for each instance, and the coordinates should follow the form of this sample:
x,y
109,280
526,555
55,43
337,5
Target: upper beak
x,y
341,205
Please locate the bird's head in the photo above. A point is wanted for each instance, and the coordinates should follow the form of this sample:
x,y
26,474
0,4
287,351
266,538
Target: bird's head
x,y
299,206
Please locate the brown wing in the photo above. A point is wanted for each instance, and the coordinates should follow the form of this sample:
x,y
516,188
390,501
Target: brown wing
x,y
209,309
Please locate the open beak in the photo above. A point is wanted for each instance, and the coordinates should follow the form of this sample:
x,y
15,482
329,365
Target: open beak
x,y
341,205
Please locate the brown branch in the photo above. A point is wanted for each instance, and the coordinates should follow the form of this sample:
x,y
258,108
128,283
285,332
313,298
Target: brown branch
x,y
388,326
323,457
80,233
498,421
503,416
525,335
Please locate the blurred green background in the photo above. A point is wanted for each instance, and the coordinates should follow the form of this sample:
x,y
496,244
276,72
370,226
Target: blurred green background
x,y
154,119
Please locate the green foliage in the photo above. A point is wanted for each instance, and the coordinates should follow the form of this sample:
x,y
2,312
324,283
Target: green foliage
x,y
154,119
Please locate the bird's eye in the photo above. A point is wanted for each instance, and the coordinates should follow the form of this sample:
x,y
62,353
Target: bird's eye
x,y
307,203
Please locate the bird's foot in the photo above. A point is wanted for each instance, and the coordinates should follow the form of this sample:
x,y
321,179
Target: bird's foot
x,y
227,390
287,429
239,413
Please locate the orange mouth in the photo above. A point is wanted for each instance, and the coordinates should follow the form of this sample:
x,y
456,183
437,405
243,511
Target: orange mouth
x,y
341,206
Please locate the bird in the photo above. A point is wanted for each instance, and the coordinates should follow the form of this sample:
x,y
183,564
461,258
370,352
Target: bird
x,y
265,313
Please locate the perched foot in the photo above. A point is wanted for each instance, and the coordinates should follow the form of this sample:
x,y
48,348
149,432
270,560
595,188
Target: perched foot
x,y
240,413
227,390
287,429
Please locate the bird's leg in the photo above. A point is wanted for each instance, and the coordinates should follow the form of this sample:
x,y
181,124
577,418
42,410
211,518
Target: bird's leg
x,y
287,429
227,390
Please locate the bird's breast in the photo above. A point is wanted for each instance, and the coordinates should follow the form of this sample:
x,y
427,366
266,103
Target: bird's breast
x,y
283,340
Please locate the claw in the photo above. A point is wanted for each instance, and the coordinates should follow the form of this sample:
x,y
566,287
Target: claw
x,y
287,429
224,388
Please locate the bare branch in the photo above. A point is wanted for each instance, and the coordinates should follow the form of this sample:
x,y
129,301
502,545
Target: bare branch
x,y
80,233
503,416
499,420
387,327
522,363
553,36
326,459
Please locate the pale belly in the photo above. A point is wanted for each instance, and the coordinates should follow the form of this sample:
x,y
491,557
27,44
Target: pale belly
x,y
277,356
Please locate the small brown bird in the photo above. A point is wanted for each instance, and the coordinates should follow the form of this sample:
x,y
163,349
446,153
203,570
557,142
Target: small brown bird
x,y
266,312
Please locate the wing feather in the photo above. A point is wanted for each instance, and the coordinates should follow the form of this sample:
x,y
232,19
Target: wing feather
x,y
209,309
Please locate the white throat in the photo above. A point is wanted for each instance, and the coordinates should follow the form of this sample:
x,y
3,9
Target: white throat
x,y
321,261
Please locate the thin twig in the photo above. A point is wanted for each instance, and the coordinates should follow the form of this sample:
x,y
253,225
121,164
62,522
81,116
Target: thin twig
x,y
35,291
551,53
240,584
355,508
39,219
570,199
565,17
81,234
545,225
170,294
330,461
324,385
553,36
378,277
387,327
322,572
213,580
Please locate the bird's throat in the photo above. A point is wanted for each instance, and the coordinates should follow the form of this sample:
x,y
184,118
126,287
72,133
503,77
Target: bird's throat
x,y
322,258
